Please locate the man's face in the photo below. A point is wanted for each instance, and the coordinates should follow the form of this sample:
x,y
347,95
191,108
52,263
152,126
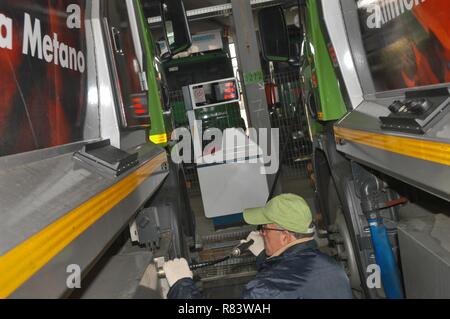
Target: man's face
x,y
273,240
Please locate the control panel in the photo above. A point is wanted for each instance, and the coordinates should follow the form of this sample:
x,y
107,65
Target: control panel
x,y
417,112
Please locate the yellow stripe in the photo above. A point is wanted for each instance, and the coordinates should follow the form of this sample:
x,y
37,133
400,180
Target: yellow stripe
x,y
320,115
159,139
424,150
23,261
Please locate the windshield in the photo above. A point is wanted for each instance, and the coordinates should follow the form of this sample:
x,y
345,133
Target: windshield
x,y
407,42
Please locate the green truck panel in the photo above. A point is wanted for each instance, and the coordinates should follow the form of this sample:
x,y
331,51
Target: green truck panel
x,y
158,127
332,106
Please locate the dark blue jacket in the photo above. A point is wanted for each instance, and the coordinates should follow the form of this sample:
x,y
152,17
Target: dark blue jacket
x,y
301,272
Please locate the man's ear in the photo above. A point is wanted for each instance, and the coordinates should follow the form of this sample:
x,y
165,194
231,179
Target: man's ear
x,y
286,235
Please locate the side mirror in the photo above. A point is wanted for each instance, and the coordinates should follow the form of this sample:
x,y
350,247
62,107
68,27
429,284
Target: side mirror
x,y
175,26
274,34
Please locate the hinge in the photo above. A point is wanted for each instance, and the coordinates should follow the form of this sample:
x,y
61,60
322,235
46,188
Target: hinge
x,y
143,80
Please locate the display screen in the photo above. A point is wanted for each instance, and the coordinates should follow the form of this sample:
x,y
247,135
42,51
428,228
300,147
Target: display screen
x,y
226,91
407,42
43,69
210,94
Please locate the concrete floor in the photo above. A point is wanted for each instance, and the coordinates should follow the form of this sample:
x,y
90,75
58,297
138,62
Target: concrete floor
x,y
300,186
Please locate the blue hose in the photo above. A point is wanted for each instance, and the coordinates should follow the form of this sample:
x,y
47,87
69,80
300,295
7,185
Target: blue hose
x,y
384,256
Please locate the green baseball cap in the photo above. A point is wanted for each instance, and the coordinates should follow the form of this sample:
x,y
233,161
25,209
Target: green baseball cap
x,y
289,211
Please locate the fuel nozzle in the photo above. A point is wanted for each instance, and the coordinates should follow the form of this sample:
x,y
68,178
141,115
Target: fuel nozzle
x,y
242,248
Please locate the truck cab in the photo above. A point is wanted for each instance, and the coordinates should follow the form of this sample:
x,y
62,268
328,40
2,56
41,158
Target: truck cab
x,y
376,89
80,107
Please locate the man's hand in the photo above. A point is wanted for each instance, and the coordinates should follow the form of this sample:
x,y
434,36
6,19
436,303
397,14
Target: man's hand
x,y
177,269
258,243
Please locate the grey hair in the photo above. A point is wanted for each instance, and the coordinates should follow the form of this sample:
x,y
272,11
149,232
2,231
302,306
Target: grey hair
x,y
299,235
302,236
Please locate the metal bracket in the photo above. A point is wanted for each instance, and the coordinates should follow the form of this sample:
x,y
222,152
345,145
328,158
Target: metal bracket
x,y
149,228
369,189
365,243
107,159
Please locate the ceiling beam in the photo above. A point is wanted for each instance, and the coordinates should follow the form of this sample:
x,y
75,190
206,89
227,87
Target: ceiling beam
x,y
217,11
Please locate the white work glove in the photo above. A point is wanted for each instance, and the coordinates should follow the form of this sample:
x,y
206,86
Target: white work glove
x,y
177,269
258,246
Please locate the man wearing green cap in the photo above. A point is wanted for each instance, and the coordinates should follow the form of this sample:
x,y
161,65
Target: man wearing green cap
x,y
290,266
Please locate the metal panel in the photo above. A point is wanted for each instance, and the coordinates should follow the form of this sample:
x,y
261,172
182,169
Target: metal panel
x,y
39,155
427,175
40,193
50,281
425,256
120,277
353,31
92,122
334,21
109,122
230,188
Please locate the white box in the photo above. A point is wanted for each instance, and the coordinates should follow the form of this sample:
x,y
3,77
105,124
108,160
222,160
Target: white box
x,y
230,187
